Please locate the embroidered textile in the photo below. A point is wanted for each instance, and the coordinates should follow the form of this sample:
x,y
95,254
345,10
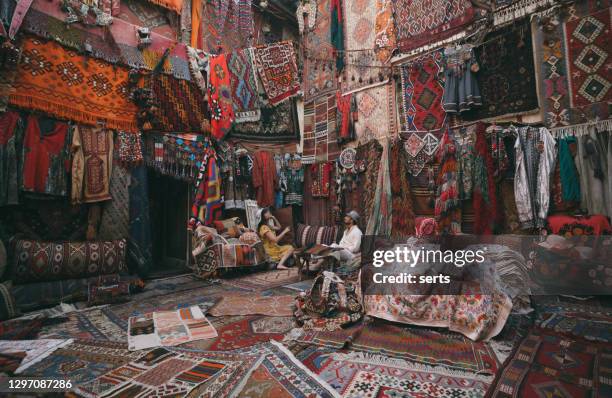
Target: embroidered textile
x,y
320,130
168,328
92,154
380,221
547,363
375,107
198,66
37,261
220,97
228,25
277,124
506,78
319,75
361,66
385,40
277,70
208,202
82,94
129,147
179,105
448,205
461,91
321,179
11,138
45,154
487,218
403,215
245,96
295,187
176,155
347,116
253,305
422,22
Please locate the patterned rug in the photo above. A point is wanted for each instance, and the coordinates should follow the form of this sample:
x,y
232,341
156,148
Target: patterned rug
x,y
423,22
507,77
355,375
116,212
277,124
85,94
254,305
593,329
412,344
552,365
277,70
320,133
361,66
264,280
35,350
376,107
422,115
244,86
385,40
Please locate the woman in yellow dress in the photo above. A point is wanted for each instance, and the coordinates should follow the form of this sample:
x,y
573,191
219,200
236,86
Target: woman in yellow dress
x,y
266,229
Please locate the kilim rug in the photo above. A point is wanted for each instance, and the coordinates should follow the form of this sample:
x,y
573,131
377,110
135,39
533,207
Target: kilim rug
x,y
277,70
245,96
35,350
363,68
277,124
506,78
594,329
10,361
423,22
376,120
385,40
264,280
552,365
250,304
320,132
422,115
319,76
163,372
116,212
61,83
82,361
414,344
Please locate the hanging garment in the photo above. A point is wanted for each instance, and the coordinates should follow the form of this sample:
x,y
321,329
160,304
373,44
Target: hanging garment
x,y
208,202
265,179
466,140
321,179
279,164
570,182
295,187
594,163
403,214
486,215
337,33
45,156
381,218
535,159
461,91
448,205
92,149
11,136
347,116
235,188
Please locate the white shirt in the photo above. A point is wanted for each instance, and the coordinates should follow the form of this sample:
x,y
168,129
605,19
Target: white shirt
x,y
351,240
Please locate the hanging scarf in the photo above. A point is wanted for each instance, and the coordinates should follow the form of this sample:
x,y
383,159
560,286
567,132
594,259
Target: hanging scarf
x,y
570,182
486,215
448,205
221,107
337,33
196,23
346,117
381,220
208,203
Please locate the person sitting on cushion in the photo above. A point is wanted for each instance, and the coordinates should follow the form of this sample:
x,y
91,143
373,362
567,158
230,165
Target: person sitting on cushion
x,y
350,244
270,239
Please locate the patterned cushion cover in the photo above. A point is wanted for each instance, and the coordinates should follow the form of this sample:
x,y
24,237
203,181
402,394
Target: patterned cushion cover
x,y
307,235
36,261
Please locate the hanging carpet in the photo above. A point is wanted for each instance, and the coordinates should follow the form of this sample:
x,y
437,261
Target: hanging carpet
x,y
375,112
277,124
385,40
244,86
320,130
277,70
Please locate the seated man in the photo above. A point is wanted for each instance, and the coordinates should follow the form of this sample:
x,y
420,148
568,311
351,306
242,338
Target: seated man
x,y
350,244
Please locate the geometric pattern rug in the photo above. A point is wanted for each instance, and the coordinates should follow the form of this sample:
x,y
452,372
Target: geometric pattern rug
x,y
264,280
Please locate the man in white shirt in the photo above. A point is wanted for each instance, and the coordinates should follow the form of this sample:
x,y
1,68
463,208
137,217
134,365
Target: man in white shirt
x,y
349,246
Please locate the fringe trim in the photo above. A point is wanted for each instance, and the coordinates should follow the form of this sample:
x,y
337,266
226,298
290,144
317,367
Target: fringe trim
x,y
377,359
61,111
168,5
579,130
296,362
519,10
362,88
39,358
248,116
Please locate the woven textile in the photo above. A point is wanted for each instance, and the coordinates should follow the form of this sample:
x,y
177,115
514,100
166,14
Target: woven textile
x,y
422,115
35,350
174,5
181,105
129,149
375,109
320,130
550,364
208,202
56,81
92,157
506,78
228,25
265,280
254,305
361,70
140,246
116,212
277,69
244,86
421,22
277,124
319,76
47,261
220,97
385,40
11,134
307,235
591,328
168,328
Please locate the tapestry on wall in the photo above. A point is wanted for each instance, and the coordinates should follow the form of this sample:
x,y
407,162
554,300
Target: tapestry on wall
x,y
115,220
320,133
245,96
424,22
363,68
507,76
226,25
422,116
375,107
64,84
277,124
278,71
319,75
385,40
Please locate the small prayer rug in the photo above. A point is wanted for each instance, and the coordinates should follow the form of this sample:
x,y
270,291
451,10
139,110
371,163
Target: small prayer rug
x,y
254,305
548,364
278,72
168,328
244,86
66,85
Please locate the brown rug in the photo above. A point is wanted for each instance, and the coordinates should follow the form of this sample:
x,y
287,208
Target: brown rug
x,y
254,305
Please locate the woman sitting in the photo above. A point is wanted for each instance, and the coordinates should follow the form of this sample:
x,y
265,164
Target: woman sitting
x,y
266,228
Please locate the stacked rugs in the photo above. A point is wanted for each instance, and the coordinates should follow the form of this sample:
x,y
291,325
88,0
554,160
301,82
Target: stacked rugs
x,y
320,132
168,328
66,85
575,60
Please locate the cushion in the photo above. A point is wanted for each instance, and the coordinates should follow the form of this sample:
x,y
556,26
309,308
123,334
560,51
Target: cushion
x,y
8,309
307,235
285,218
36,261
222,226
